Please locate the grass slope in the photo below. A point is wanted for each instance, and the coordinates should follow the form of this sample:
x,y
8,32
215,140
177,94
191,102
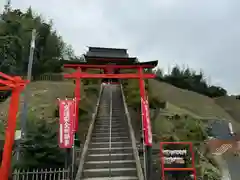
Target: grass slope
x,y
167,127
43,101
192,103
232,106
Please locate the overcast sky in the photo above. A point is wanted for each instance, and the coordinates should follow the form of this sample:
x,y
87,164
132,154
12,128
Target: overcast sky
x,y
203,34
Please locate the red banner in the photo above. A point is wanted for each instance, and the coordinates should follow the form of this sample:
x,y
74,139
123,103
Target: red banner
x,y
146,122
66,123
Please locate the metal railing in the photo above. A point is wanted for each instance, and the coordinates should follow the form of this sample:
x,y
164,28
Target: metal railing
x,y
110,129
42,174
133,139
46,173
47,77
89,134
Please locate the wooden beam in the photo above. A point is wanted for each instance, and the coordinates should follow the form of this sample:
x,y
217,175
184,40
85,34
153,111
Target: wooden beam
x,y
7,83
5,76
110,76
75,66
5,88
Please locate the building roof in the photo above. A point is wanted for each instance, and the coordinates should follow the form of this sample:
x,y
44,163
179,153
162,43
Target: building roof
x,y
102,56
110,59
106,52
152,63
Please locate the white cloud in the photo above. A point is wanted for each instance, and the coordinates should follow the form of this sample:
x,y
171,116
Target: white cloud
x,y
203,34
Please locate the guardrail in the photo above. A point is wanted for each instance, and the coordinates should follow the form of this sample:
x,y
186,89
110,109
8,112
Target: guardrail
x,y
88,138
47,77
133,139
43,174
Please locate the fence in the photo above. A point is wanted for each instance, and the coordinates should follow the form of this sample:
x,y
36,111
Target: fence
x,y
58,77
47,77
42,174
48,173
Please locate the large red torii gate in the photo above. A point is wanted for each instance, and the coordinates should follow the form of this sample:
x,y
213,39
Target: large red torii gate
x,y
16,84
78,75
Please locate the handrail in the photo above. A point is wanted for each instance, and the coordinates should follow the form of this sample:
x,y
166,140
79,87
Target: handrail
x,y
110,130
88,138
133,139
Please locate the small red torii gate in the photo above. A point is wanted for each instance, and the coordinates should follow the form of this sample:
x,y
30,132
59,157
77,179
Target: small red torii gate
x,y
78,75
16,84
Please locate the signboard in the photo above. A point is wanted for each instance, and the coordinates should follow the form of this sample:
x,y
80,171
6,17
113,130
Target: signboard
x,y
18,134
173,158
146,122
66,123
177,160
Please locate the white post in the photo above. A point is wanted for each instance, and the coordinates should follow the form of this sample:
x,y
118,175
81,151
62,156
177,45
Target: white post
x,y
230,127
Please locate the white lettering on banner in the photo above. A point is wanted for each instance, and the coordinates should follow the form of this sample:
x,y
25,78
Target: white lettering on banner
x,y
61,133
148,122
66,118
66,137
66,124
66,142
170,160
175,152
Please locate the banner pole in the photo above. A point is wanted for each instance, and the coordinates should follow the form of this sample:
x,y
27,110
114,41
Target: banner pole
x,y
73,156
146,125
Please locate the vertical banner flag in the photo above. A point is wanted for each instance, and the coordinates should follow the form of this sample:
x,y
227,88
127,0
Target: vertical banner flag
x,y
66,123
146,122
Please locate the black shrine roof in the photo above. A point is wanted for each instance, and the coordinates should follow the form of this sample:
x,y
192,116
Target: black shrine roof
x,y
101,56
152,63
106,52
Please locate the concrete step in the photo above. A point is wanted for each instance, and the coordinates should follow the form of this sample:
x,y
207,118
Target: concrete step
x,y
113,161
107,126
110,164
109,172
108,157
115,129
108,131
106,144
107,139
108,134
107,123
110,150
112,178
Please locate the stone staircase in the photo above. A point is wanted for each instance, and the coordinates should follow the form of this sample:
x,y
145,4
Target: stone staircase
x,y
110,154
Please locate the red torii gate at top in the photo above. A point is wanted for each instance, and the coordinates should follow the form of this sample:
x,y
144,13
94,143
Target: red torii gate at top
x,y
16,85
78,75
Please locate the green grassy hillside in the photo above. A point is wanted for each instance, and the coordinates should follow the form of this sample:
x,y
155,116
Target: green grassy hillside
x,y
192,103
43,103
183,117
231,105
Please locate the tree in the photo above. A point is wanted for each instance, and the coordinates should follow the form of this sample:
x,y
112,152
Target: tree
x,y
189,79
40,148
15,38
